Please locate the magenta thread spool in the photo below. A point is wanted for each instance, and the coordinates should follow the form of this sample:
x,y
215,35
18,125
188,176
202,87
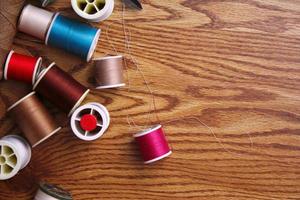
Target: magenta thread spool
x,y
153,144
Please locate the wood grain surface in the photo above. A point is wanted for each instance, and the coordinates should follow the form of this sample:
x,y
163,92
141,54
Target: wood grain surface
x,y
232,65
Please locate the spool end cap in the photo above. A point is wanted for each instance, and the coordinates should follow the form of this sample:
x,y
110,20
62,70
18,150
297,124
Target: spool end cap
x,y
88,122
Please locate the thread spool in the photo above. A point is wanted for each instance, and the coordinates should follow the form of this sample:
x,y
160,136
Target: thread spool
x,y
15,154
35,21
52,192
109,72
90,121
153,144
58,31
9,12
74,37
33,119
21,67
60,88
93,10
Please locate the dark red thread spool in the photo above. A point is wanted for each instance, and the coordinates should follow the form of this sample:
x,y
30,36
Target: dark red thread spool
x,y
22,67
60,88
153,144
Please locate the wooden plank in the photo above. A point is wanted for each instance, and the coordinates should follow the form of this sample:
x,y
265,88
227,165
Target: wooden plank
x,y
233,65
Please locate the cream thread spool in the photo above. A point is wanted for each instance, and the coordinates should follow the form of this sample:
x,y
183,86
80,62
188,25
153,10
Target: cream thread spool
x,y
109,72
15,154
90,121
93,10
37,27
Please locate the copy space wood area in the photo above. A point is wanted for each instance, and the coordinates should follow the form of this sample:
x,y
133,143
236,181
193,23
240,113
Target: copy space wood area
x,y
231,67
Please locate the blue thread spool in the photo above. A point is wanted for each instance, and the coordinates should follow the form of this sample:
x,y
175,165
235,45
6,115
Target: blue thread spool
x,y
72,36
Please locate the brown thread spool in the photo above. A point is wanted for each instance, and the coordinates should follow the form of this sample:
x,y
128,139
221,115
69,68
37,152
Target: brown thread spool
x,y
33,119
9,12
109,72
60,88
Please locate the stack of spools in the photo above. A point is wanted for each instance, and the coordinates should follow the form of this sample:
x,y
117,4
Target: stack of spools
x,y
88,120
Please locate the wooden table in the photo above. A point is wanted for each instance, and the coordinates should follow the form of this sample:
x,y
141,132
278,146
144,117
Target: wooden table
x,y
231,67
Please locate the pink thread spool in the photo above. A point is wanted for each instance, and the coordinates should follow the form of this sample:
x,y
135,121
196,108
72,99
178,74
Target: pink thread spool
x,y
153,144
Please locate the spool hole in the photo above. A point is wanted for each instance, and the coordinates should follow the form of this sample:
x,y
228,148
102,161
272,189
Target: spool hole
x,y
81,4
6,150
7,169
90,1
2,160
100,4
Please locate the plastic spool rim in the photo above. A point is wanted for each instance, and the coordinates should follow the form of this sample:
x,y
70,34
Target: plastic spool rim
x,y
45,138
79,102
6,64
36,69
40,195
19,165
50,27
158,158
51,192
43,73
21,15
147,131
107,57
27,146
100,15
96,107
93,46
111,86
45,3
20,100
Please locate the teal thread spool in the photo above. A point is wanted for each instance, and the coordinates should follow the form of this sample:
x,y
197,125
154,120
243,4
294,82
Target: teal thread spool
x,y
72,36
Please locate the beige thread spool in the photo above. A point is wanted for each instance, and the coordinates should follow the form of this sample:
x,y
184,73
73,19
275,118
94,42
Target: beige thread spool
x,y
33,119
35,21
109,72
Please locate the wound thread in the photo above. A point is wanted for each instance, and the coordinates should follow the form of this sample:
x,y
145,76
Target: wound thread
x,y
22,67
33,119
109,72
60,88
153,144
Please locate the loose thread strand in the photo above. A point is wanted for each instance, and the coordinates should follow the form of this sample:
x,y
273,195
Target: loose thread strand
x,y
212,132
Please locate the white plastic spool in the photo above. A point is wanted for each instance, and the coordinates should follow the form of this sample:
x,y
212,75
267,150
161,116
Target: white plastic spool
x,y
52,192
94,109
93,10
15,154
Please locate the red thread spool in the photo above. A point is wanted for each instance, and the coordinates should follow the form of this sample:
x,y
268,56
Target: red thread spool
x,y
153,144
60,88
21,67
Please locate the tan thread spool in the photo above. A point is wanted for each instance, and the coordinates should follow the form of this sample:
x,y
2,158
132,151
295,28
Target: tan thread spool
x,y
109,72
9,12
33,119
